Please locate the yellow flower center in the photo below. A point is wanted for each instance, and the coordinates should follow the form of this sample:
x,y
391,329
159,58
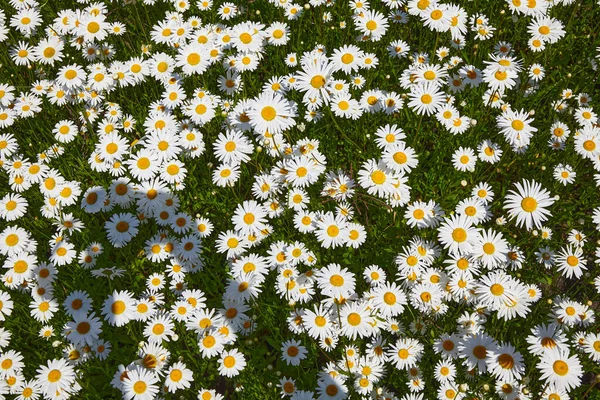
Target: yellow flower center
x,y
517,125
529,204
139,387
489,248
268,113
317,81
572,261
497,289
118,307
371,25
378,177
459,235
54,376
93,27
229,361
354,319
193,59
389,298
560,367
436,15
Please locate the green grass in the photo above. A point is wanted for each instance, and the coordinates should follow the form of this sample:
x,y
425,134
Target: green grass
x,y
347,145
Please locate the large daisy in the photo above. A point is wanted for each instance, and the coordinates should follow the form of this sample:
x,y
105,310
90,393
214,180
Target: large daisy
x,y
528,204
271,112
560,370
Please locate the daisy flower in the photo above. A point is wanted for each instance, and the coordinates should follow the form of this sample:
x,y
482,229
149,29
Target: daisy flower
x,y
389,299
278,34
121,228
111,147
20,266
56,376
118,308
314,78
140,384
464,159
159,328
344,106
528,204
178,377
546,338
331,387
586,116
318,322
571,262
231,362
405,353
15,240
425,99
92,27
377,178
357,235
11,363
346,58
71,76
301,171
248,37
516,127
546,29
560,370
49,50
22,54
400,157
233,147
445,371
291,60
371,24
232,243
491,249
489,151
293,352
12,207
592,346
500,80
270,112
331,231
505,363
474,349
473,208
495,289
42,309
83,329
587,143
193,59
458,234
564,173
226,175
334,281
356,321
447,346
536,72
388,135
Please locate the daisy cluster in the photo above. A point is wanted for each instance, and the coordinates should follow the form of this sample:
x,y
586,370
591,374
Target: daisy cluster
x,y
125,215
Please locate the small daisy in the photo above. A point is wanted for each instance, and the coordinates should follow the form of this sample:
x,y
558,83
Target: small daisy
x,y
231,362
293,352
565,174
